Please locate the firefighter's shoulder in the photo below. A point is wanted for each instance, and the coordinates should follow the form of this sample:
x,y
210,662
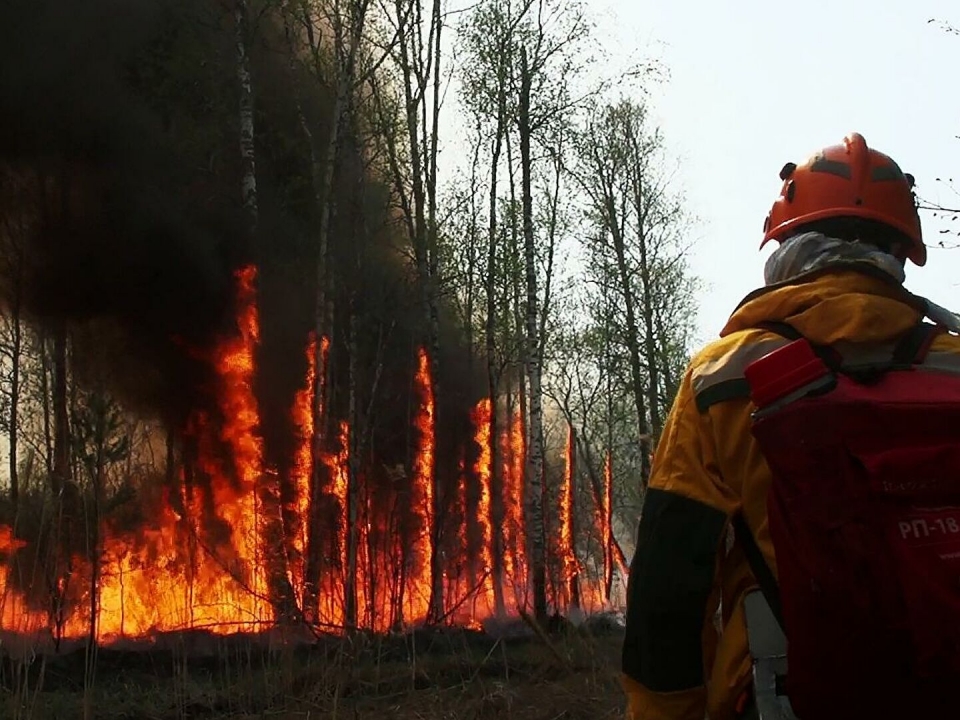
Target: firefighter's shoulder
x,y
717,371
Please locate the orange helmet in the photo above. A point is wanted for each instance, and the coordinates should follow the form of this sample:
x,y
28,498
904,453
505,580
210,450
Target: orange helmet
x,y
849,180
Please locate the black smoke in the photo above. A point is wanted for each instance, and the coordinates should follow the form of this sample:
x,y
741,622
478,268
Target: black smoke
x,y
114,128
119,161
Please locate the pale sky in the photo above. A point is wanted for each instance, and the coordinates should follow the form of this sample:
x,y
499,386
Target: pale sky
x,y
756,83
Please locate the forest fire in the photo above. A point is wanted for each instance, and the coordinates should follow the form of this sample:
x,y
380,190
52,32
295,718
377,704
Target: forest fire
x,y
301,471
565,551
482,416
228,548
514,545
418,591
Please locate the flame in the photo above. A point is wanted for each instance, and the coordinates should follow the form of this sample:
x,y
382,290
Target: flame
x,y
566,545
238,505
302,470
459,583
482,417
213,548
174,574
514,538
320,373
339,473
606,525
14,613
418,591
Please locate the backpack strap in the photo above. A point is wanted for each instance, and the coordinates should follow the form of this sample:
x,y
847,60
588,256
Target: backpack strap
x,y
758,565
915,345
778,327
912,349
831,358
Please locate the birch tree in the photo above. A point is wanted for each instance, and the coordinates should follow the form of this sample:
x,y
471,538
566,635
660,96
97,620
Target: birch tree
x,y
639,223
548,62
487,36
332,37
410,129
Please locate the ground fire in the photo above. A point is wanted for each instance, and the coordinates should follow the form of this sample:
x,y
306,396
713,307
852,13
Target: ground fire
x,y
231,553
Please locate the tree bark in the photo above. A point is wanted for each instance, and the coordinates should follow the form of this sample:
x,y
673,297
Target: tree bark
x,y
411,46
44,351
642,212
491,320
16,350
61,423
632,340
571,563
353,486
323,173
439,500
248,168
607,510
535,459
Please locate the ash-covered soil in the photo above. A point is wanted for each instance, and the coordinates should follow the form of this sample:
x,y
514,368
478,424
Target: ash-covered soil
x,y
509,671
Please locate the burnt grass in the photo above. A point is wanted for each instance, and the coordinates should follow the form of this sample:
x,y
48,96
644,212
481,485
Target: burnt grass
x,y
449,673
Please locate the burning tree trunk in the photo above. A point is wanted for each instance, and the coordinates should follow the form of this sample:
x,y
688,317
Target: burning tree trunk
x,y
490,288
535,459
483,470
323,309
61,483
607,525
299,515
601,489
418,59
568,553
514,533
313,544
353,488
424,489
321,175
433,252
606,507
268,483
101,440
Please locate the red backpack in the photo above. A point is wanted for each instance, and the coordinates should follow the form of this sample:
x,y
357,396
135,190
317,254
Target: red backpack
x,y
864,514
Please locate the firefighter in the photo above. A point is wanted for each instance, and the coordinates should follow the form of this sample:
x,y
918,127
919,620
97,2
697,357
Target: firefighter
x,y
846,222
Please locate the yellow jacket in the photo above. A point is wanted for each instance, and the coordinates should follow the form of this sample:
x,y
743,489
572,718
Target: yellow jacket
x,y
680,660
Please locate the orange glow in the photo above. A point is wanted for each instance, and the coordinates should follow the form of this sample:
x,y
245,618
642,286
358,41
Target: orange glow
x,y
302,469
482,416
175,573
320,372
14,613
341,487
565,545
207,554
514,538
417,594
606,524
458,581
